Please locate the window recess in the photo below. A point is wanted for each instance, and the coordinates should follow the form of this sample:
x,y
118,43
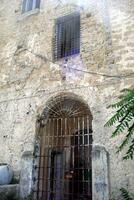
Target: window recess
x,y
29,5
67,36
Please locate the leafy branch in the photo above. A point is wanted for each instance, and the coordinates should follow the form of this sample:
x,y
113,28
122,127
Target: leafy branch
x,y
125,194
123,119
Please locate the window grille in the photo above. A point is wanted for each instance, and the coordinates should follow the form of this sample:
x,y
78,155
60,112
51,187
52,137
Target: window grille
x,y
64,167
67,37
30,5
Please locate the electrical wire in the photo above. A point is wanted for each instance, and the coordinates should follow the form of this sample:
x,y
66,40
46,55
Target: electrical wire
x,y
45,59
44,91
100,74
72,68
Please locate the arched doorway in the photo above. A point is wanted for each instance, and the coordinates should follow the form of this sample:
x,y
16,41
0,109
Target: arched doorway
x,y
64,168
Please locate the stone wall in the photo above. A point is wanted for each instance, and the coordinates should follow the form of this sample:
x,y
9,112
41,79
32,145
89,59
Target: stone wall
x,y
29,77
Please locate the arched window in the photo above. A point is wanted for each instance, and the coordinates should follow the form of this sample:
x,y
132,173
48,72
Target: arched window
x,y
64,171
30,5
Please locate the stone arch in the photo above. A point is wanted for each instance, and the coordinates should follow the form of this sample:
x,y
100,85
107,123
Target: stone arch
x,y
99,162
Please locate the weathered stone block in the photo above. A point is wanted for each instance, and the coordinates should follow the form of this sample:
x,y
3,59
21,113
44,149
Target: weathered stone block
x,y
9,191
26,174
100,173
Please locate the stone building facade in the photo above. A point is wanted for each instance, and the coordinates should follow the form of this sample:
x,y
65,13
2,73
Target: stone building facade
x,y
31,81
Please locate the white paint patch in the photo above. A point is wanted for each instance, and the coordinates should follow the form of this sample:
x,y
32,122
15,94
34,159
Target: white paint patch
x,y
72,69
81,3
54,67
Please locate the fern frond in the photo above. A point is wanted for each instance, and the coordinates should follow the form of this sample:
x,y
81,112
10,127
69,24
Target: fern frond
x,y
120,114
130,152
125,194
123,118
126,98
127,138
119,129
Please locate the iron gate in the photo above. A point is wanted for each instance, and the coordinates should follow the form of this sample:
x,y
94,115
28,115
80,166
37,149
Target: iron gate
x,y
64,170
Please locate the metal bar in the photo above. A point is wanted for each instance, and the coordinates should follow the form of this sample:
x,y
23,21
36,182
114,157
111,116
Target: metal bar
x,y
55,163
83,151
56,133
88,153
48,160
44,159
74,125
65,160
78,146
38,183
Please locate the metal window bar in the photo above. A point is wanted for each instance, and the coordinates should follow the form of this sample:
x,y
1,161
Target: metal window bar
x,y
34,4
67,38
65,160
24,6
30,5
37,4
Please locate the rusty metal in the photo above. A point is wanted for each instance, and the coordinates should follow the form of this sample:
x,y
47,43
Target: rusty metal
x,y
64,170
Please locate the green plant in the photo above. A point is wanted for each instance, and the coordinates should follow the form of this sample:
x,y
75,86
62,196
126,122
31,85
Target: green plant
x,y
14,180
126,195
11,196
124,121
29,197
4,196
